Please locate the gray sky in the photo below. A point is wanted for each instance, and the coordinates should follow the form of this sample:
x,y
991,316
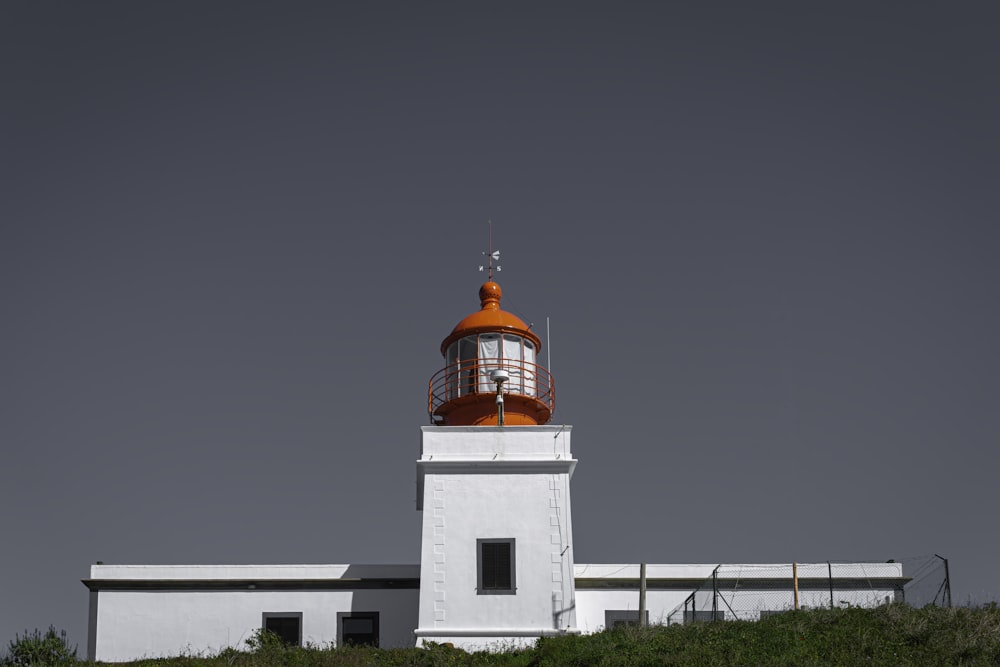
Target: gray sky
x,y
234,234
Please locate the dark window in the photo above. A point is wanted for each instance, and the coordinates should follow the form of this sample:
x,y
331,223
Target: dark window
x,y
287,625
615,617
359,628
496,566
467,354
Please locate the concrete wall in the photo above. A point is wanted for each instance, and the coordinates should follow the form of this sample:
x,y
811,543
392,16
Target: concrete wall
x,y
616,587
495,483
141,611
164,622
591,605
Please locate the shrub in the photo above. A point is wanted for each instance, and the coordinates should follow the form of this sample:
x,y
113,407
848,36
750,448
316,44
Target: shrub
x,y
50,649
264,642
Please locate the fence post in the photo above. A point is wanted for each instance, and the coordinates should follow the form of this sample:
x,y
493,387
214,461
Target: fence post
x,y
829,572
795,584
715,594
642,595
947,582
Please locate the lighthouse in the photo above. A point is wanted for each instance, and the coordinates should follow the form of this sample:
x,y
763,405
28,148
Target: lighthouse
x,y
497,567
493,485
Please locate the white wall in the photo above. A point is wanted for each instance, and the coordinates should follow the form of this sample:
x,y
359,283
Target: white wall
x,y
495,483
745,603
131,624
592,603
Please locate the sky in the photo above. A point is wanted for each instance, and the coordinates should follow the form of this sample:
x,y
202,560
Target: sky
x,y
761,237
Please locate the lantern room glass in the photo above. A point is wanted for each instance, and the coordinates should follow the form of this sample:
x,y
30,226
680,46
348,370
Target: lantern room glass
x,y
472,359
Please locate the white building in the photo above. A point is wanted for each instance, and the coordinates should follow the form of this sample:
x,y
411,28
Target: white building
x,y
497,563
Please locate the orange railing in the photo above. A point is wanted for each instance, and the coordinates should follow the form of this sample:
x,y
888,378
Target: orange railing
x,y
472,376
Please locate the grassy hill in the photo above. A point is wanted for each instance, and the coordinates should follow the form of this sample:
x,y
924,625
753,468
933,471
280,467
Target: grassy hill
x,y
891,635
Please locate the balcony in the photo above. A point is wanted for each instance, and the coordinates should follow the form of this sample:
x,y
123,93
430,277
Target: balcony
x,y
462,393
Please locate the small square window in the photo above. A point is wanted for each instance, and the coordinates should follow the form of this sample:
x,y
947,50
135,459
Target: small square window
x,y
496,575
287,625
359,628
616,617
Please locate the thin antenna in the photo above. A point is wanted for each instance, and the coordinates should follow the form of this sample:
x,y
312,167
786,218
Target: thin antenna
x,y
548,346
491,255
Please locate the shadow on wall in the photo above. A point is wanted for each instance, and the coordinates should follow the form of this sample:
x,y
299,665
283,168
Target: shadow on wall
x,y
384,609
558,613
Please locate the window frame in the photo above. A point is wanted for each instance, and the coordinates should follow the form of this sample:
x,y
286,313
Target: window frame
x,y
615,617
480,589
282,614
370,615
467,371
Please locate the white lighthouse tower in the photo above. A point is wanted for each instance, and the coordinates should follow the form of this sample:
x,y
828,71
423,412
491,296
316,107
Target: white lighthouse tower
x,y
493,484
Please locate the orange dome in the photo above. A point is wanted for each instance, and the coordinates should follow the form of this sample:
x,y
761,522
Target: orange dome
x,y
490,318
464,392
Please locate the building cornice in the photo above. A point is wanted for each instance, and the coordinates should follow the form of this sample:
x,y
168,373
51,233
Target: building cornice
x,y
250,584
746,583
485,466
582,583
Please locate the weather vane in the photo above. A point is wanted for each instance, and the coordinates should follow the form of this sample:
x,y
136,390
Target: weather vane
x,y
491,255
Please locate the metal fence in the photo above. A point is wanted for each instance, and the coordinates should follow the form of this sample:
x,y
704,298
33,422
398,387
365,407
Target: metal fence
x,y
752,592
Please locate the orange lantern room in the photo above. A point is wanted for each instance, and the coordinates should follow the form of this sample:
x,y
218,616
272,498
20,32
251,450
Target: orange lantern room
x,y
490,376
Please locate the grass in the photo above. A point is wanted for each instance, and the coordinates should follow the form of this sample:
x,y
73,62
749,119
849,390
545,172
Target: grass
x,y
894,635
891,635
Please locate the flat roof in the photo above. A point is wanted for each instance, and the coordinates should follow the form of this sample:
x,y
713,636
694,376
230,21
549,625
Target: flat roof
x,y
407,576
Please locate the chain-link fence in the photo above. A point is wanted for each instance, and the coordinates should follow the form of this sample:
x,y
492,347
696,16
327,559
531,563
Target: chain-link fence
x,y
752,592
